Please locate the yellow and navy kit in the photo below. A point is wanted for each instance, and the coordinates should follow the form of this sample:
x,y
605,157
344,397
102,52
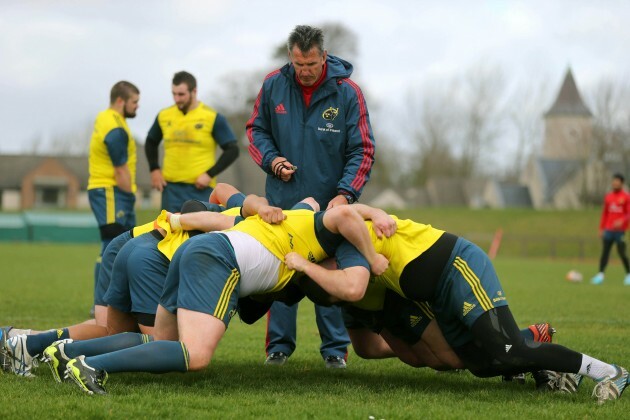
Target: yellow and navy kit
x,y
383,308
190,141
410,241
174,239
111,145
302,231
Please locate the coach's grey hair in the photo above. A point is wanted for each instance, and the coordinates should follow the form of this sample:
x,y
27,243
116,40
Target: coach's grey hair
x,y
306,37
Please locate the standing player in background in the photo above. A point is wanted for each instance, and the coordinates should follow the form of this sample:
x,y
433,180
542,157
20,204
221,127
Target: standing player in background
x,y
191,131
112,167
613,226
310,132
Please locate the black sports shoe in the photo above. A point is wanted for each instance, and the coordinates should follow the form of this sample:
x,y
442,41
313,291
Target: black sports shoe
x,y
546,380
55,357
335,362
519,378
90,380
277,358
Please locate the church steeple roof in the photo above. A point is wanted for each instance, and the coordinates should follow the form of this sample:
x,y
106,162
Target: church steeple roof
x,y
569,101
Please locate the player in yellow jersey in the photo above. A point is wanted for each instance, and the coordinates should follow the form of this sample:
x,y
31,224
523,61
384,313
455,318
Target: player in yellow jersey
x,y
112,167
191,132
457,278
208,274
137,277
130,283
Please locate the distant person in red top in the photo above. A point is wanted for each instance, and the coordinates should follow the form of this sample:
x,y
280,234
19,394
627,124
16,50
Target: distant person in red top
x,y
613,226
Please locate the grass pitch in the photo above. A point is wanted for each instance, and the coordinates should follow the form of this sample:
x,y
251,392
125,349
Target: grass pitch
x,y
50,285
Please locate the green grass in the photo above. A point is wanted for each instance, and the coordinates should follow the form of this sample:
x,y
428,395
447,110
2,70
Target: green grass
x,y
47,286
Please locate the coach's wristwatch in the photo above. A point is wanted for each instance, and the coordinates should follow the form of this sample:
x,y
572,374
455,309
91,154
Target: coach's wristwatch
x,y
348,196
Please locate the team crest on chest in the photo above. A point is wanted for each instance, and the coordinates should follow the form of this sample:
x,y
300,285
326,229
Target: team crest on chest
x,y
330,113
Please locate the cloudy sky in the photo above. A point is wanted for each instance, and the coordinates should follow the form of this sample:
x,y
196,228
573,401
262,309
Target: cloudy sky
x,y
59,59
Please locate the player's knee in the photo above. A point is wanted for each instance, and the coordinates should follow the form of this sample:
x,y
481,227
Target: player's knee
x,y
310,201
365,349
198,361
362,350
416,362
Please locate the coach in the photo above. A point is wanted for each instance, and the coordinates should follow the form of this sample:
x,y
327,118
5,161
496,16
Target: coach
x,y
310,132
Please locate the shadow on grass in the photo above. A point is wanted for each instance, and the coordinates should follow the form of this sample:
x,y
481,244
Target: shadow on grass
x,y
235,377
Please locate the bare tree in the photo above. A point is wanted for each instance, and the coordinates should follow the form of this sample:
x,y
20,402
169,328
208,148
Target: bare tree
x,y
482,115
72,142
611,131
524,112
430,121
611,107
234,97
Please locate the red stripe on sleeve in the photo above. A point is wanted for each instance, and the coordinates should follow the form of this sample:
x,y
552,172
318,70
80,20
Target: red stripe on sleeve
x,y
254,152
368,148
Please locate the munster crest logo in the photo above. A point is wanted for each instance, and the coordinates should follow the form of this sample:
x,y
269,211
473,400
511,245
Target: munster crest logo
x,y
330,113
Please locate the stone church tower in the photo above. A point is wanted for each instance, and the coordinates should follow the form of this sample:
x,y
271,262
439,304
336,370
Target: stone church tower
x,y
568,125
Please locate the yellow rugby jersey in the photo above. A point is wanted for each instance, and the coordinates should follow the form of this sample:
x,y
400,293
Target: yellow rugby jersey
x,y
146,228
234,211
174,239
408,243
295,234
374,297
189,147
100,163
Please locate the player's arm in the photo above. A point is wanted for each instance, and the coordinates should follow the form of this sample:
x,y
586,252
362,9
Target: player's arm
x,y
117,142
360,146
348,284
225,137
345,220
205,221
255,204
154,137
123,177
222,193
382,222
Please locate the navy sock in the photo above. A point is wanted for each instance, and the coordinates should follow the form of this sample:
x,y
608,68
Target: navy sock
x,y
103,345
153,357
527,334
35,344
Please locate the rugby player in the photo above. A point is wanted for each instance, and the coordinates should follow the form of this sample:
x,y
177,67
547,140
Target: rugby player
x,y
130,282
457,278
208,274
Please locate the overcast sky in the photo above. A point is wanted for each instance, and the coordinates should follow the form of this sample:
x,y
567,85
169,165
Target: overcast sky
x,y
58,59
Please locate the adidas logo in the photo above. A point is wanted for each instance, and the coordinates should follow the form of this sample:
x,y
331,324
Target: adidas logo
x,y
588,368
468,307
414,320
508,347
59,333
280,109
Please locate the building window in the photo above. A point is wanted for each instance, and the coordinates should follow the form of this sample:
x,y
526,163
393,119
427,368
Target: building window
x,y
50,192
50,197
